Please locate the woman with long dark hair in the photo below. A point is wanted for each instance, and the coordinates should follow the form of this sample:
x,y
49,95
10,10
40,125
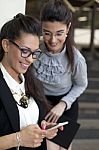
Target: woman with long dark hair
x,y
61,68
22,102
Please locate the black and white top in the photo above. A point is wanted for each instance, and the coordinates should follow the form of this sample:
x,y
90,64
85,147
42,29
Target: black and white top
x,y
27,116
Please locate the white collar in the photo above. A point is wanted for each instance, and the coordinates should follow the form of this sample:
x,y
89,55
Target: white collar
x,y
11,82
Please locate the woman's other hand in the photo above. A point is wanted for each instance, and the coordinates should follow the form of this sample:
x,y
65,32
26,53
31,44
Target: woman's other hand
x,y
32,136
56,112
49,133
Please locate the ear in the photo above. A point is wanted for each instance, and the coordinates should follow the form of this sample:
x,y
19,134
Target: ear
x,y
5,45
68,27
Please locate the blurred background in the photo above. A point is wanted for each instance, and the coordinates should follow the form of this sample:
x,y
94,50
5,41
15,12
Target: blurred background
x,y
86,20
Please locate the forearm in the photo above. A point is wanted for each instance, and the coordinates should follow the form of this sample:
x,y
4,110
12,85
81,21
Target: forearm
x,y
75,92
8,141
63,104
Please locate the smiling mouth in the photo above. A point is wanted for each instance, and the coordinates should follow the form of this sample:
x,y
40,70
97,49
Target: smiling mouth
x,y
53,45
25,66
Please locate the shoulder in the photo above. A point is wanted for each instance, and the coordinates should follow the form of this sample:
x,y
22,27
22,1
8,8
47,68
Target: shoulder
x,y
42,46
78,57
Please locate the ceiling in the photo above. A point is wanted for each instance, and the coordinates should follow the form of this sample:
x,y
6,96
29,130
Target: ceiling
x,y
80,3
73,4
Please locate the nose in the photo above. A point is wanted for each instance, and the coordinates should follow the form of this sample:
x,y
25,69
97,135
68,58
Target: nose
x,y
53,38
30,59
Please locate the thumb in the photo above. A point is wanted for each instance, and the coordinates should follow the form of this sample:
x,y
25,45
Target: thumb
x,y
43,124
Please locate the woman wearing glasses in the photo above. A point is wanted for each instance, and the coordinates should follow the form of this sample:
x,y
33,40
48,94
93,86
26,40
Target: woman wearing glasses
x,y
62,68
22,103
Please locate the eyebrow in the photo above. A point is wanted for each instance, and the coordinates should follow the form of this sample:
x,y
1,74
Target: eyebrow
x,y
27,48
51,32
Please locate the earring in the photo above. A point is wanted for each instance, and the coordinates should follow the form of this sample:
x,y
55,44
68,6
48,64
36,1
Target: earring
x,y
66,35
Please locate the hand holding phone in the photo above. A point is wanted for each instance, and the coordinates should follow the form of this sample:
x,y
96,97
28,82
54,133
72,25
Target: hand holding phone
x,y
55,126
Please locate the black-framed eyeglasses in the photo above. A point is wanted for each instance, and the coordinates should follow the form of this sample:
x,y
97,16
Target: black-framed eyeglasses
x,y
26,52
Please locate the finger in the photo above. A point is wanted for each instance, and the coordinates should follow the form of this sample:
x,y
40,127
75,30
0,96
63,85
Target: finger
x,y
61,128
50,118
53,131
48,115
43,124
55,119
36,144
35,141
55,134
52,136
43,136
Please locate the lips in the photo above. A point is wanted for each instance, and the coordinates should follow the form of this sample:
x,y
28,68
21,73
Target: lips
x,y
52,44
25,66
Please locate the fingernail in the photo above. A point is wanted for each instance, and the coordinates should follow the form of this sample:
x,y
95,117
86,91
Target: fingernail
x,y
43,127
62,128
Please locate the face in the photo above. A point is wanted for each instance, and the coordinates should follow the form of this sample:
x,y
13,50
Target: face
x,y
13,59
54,34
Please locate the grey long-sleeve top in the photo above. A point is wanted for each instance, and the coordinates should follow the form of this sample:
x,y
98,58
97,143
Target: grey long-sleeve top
x,y
57,77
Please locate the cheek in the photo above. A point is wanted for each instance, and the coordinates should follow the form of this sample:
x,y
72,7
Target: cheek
x,y
13,58
44,39
61,43
63,40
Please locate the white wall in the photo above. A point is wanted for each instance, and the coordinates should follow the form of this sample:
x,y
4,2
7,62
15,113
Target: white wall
x,y
82,37
9,8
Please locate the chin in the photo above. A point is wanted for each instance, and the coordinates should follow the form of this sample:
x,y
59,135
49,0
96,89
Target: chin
x,y
23,71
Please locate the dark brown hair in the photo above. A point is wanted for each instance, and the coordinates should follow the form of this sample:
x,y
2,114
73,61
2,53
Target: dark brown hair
x,y
34,87
57,10
12,30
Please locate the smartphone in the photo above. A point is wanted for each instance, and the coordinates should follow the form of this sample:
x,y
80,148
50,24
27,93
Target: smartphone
x,y
55,126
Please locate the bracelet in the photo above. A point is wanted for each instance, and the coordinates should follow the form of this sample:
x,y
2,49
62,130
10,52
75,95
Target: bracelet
x,y
18,140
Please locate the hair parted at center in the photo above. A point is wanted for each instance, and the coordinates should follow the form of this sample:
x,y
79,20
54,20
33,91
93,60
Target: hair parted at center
x,y
58,11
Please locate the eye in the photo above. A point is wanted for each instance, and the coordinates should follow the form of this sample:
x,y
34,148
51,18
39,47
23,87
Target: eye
x,y
25,51
47,33
37,54
59,34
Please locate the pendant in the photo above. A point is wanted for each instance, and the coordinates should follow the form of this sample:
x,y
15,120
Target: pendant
x,y
24,101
